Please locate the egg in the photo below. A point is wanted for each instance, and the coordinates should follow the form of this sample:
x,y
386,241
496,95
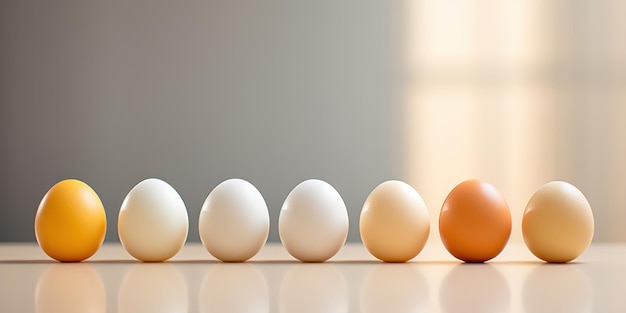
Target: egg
x,y
475,221
70,224
557,224
313,221
153,221
234,221
394,222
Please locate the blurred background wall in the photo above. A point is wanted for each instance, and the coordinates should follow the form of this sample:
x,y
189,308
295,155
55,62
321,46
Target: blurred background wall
x,y
432,92
519,93
196,92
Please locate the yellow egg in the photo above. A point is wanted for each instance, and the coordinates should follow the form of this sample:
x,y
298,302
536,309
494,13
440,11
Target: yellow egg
x,y
71,223
558,223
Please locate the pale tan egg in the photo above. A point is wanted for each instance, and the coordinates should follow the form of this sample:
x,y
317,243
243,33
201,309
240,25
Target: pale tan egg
x,y
394,222
558,223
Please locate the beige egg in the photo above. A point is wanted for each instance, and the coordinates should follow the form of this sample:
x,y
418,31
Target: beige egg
x,y
394,222
558,223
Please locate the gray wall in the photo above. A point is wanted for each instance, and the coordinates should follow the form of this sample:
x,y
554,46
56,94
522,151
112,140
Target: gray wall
x,y
196,92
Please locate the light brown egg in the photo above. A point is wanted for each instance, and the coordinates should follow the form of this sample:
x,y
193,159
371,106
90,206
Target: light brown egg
x,y
558,223
394,222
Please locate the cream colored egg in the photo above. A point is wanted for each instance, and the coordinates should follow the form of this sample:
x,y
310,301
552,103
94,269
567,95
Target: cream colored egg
x,y
313,221
558,223
234,221
153,221
394,223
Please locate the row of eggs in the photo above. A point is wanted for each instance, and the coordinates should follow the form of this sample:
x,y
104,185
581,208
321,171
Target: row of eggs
x,y
474,222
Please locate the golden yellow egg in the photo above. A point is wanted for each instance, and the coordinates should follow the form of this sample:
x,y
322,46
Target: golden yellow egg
x,y
71,223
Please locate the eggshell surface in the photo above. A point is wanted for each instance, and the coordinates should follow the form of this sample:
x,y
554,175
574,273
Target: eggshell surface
x,y
70,224
313,221
153,221
558,223
394,222
234,221
475,221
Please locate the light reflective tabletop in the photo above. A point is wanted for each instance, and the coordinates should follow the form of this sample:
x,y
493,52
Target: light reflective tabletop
x,y
352,281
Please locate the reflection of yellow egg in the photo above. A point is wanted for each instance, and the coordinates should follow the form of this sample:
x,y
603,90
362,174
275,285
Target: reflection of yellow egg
x,y
70,289
71,223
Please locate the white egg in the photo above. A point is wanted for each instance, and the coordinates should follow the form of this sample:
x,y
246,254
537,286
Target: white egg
x,y
313,222
153,221
234,221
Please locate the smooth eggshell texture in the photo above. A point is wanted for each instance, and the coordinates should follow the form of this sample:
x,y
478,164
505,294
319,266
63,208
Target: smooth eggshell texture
x,y
234,221
394,222
475,221
558,223
70,224
313,221
153,221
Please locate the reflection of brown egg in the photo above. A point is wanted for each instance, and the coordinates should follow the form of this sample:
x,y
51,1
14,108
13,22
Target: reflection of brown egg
x,y
394,288
70,288
474,288
475,221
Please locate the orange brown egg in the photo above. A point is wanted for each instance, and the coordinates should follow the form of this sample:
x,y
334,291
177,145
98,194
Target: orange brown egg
x,y
475,221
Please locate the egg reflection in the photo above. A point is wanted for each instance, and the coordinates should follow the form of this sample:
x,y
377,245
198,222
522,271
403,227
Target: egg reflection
x,y
153,287
313,287
474,288
231,287
557,288
394,288
70,288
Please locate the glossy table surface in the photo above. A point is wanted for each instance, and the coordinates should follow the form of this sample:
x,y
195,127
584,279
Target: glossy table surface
x,y
352,281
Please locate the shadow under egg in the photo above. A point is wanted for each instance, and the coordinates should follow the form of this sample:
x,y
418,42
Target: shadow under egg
x,y
234,287
394,288
68,288
557,288
474,287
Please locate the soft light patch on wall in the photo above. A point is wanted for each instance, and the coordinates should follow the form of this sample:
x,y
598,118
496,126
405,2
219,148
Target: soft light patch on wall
x,y
476,106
